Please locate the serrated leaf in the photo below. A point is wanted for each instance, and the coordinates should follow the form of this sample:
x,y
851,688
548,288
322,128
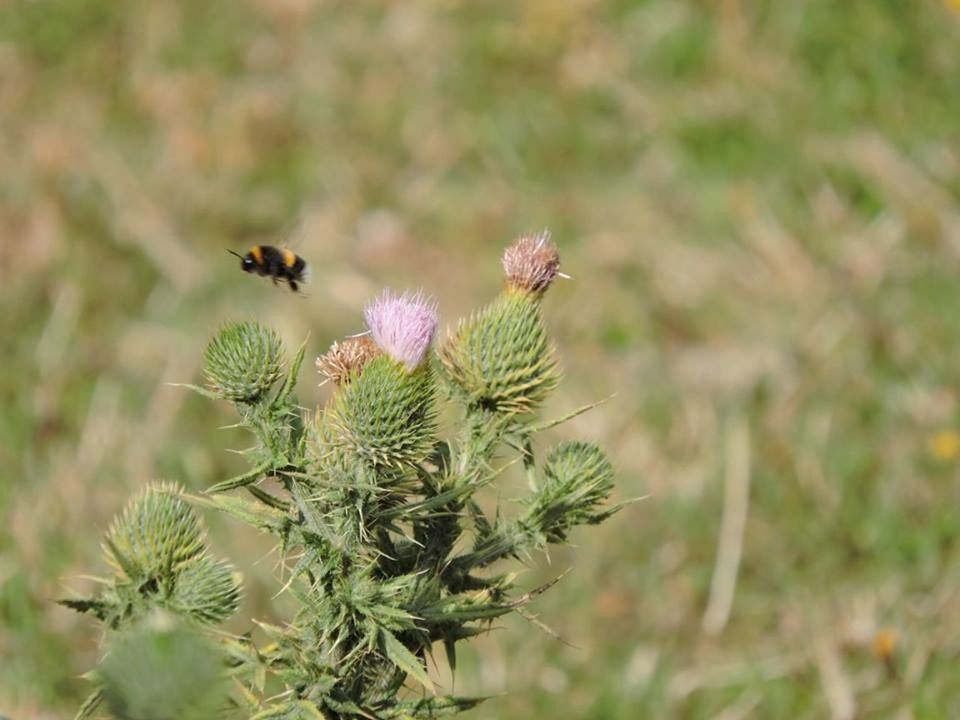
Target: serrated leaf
x,y
450,647
90,705
253,513
242,480
435,707
97,608
547,424
197,389
291,380
296,710
400,656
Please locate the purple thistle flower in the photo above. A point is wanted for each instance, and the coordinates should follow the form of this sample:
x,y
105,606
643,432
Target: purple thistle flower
x,y
402,325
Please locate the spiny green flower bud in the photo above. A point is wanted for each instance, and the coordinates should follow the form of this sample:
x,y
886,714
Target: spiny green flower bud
x,y
386,415
157,532
501,358
347,358
243,361
578,479
206,590
163,671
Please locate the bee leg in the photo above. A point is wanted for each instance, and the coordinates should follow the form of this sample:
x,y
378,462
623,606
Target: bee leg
x,y
274,279
293,285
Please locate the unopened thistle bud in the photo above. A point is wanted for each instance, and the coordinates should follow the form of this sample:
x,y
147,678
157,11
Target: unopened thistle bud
x,y
385,416
156,533
243,361
347,358
157,546
206,591
402,325
578,479
531,263
501,359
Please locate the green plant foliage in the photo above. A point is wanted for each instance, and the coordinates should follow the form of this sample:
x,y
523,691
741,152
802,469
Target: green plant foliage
x,y
163,672
370,509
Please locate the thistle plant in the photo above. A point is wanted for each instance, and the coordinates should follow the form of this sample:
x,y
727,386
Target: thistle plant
x,y
384,543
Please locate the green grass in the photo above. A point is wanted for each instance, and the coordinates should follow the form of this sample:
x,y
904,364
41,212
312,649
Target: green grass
x,y
759,203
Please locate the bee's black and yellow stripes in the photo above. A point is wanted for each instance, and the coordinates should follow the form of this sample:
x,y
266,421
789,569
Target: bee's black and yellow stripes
x,y
276,263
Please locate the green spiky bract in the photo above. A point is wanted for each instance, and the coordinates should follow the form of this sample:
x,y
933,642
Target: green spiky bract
x,y
385,416
386,549
501,358
242,362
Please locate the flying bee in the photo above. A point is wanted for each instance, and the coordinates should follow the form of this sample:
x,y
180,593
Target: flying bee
x,y
275,263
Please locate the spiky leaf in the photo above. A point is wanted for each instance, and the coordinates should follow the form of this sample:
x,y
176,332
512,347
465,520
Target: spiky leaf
x,y
400,656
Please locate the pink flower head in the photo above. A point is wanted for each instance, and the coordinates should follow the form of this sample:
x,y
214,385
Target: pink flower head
x,y
532,262
402,325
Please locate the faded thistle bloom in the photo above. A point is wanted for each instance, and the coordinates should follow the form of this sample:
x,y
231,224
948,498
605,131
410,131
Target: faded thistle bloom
x,y
531,263
402,325
346,358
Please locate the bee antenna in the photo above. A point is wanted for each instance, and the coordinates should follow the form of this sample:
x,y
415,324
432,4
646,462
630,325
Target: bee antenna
x,y
234,252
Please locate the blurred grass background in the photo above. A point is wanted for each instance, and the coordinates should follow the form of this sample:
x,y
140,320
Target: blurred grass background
x,y
759,203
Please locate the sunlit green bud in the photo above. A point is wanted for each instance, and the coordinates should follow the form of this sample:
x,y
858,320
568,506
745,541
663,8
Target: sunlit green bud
x,y
501,358
386,415
243,361
206,591
578,479
157,532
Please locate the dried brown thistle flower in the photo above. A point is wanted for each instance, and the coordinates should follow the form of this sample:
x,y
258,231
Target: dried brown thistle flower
x,y
347,357
531,263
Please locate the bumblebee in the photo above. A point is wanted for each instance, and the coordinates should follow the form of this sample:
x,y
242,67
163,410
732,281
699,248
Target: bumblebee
x,y
275,263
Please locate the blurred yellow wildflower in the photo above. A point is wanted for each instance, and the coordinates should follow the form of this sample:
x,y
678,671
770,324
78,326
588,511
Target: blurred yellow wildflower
x,y
952,5
945,445
885,643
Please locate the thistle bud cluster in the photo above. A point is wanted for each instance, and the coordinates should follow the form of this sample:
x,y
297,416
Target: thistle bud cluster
x,y
157,549
370,503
